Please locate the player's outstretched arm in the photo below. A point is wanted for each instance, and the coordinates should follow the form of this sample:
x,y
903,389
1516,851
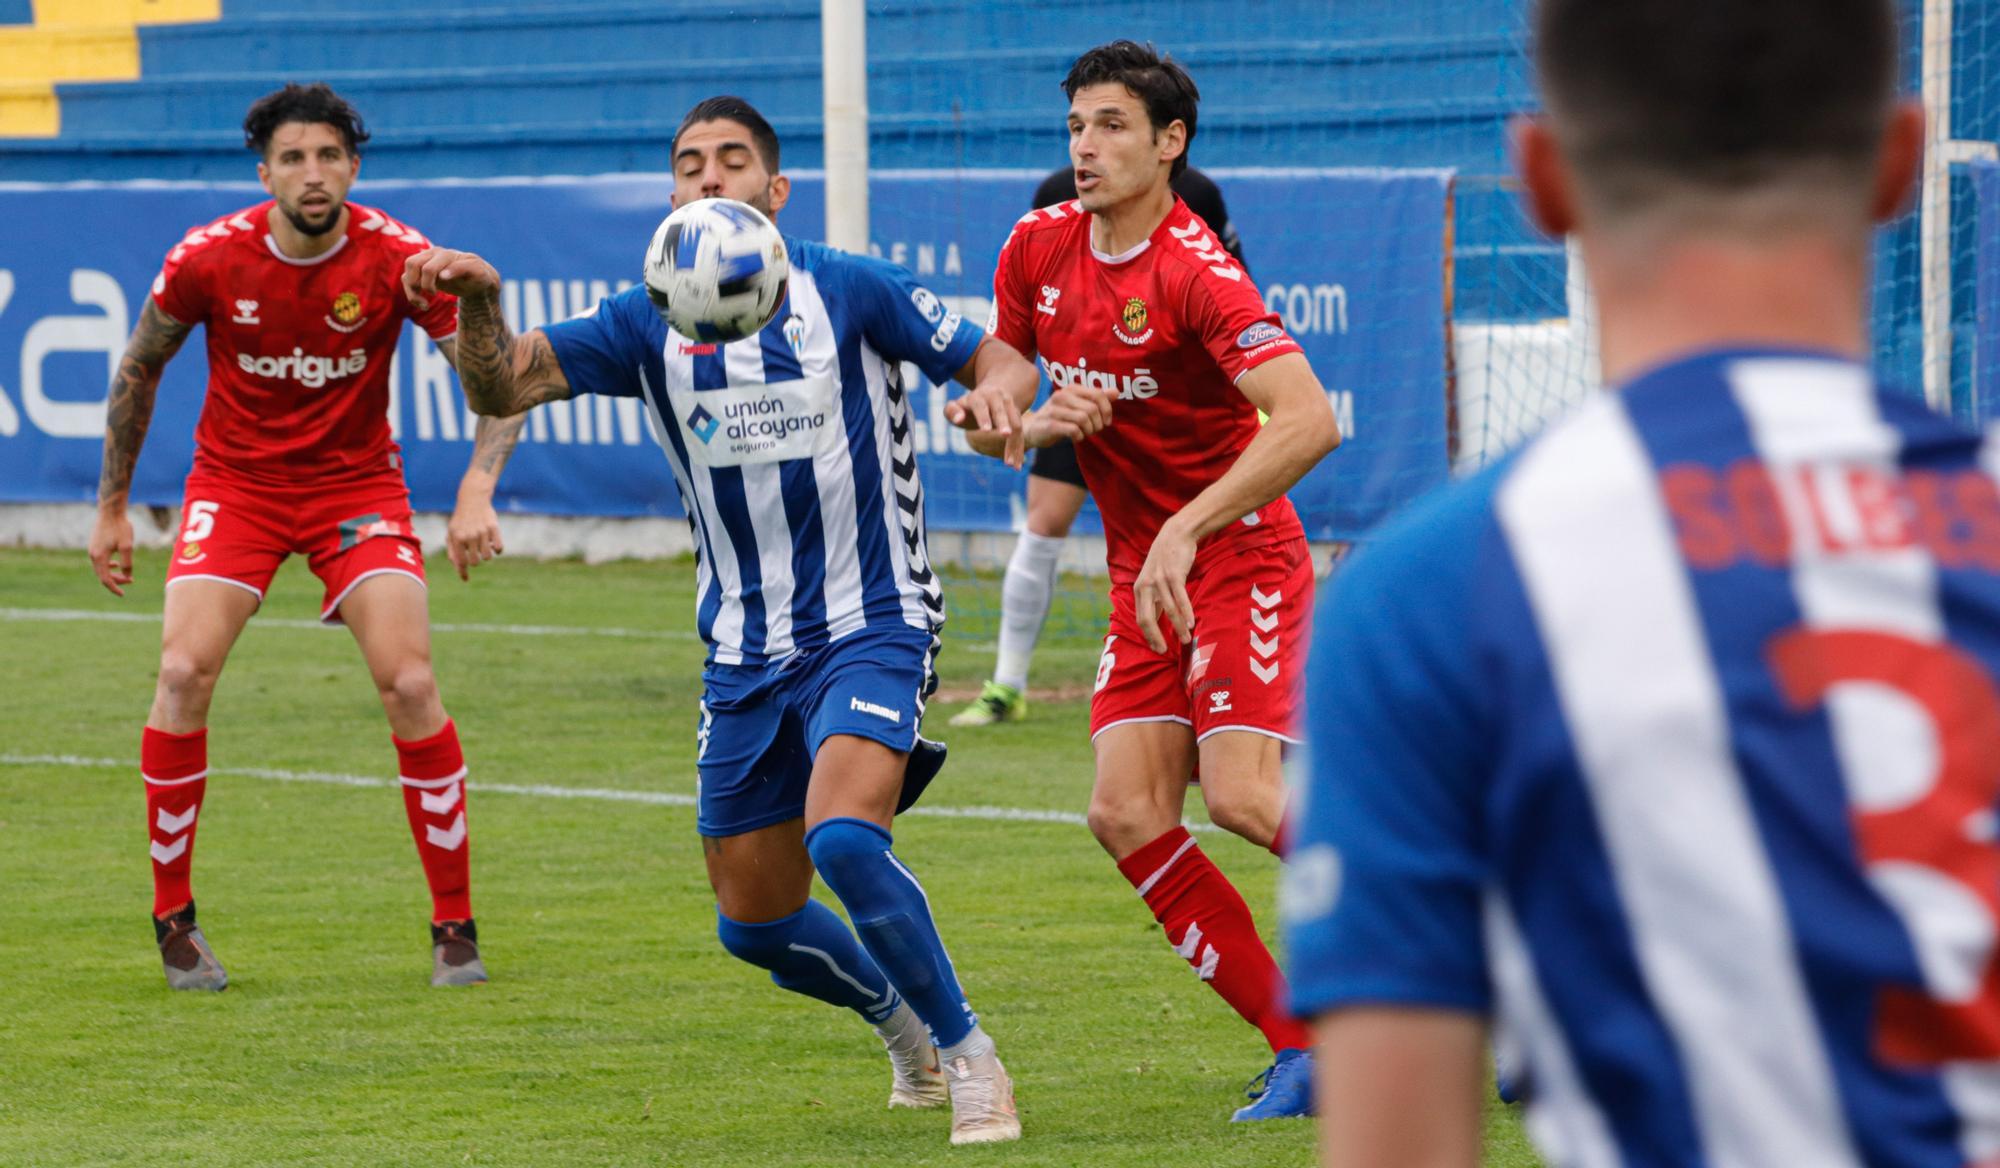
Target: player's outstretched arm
x,y
996,413
1300,432
128,413
1071,414
1003,386
502,374
1399,1088
473,534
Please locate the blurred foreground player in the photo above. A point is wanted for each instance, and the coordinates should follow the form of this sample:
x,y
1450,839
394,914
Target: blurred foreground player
x,y
303,304
1161,353
1056,494
815,596
1673,742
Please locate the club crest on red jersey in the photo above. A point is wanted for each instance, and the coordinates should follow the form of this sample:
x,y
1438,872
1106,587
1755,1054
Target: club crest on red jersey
x,y
1132,323
346,316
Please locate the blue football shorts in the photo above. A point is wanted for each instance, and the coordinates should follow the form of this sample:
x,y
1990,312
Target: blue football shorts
x,y
761,725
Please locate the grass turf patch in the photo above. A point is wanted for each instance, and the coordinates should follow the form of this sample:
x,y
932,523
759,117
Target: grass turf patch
x,y
615,1031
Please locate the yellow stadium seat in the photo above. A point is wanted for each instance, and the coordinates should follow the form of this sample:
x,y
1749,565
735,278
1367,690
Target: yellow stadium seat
x,y
76,40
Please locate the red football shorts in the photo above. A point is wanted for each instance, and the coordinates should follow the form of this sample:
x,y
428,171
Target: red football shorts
x,y
239,533
1244,667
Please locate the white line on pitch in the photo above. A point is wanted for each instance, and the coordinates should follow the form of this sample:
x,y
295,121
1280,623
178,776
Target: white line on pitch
x,y
86,614
544,791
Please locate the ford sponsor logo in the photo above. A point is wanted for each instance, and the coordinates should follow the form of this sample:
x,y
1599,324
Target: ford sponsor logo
x,y
1257,334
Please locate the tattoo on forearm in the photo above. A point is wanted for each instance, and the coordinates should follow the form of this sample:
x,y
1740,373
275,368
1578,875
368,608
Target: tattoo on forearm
x,y
503,376
483,344
129,404
493,442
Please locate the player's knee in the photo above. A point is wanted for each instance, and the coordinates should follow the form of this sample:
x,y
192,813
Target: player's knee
x,y
187,678
1245,809
411,688
1122,825
1239,810
845,849
761,944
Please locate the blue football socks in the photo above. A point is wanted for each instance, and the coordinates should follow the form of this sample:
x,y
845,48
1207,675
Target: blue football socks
x,y
893,918
812,952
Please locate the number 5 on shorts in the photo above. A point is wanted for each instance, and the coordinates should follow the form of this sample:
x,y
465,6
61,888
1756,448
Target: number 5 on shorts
x,y
1104,664
199,521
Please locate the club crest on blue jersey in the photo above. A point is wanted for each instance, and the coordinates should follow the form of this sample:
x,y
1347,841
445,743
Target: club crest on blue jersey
x,y
703,424
795,334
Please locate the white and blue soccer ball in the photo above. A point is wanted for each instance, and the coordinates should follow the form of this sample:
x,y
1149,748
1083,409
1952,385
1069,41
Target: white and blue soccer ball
x,y
716,270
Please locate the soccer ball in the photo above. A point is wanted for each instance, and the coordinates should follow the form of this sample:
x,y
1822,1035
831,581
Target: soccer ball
x,y
716,270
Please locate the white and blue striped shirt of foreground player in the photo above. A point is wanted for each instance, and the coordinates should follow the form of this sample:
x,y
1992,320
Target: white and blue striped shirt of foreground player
x,y
1673,743
791,449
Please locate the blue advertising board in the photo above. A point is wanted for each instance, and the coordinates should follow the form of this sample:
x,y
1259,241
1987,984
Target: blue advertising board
x,y
1353,261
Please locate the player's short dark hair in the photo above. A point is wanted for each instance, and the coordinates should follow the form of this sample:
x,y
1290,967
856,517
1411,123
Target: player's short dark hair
x,y
315,104
732,109
1650,97
1157,80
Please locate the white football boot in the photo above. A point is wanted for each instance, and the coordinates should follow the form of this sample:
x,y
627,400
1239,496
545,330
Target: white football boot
x,y
982,1100
918,1078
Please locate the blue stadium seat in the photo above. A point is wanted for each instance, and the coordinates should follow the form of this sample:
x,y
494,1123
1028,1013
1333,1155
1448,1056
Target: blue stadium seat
x,y
1301,78
503,87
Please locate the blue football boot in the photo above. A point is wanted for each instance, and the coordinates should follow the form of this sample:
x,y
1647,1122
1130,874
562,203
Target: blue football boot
x,y
1283,1091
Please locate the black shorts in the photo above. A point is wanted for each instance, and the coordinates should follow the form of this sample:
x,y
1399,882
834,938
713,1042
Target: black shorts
x,y
1057,462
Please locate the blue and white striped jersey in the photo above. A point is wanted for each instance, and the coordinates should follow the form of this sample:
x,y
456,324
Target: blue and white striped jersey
x,y
791,448
1673,741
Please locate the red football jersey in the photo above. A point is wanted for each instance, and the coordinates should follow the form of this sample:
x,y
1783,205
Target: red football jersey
x,y
1170,325
298,350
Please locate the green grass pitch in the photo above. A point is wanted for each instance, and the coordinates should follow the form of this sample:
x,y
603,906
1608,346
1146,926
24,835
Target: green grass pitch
x,y
615,1030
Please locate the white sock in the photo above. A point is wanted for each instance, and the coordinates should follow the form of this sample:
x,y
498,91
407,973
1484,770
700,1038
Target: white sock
x,y
903,1029
1025,597
972,1046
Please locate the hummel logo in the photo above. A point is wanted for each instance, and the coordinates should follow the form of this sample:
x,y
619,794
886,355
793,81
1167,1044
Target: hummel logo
x,y
895,716
703,423
441,802
1048,303
246,312
450,839
1196,239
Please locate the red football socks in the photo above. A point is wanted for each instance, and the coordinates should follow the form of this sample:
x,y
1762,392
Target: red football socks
x,y
175,767
1282,841
433,774
1208,924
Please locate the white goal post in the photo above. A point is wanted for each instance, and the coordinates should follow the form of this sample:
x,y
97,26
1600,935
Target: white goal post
x,y
843,36
1935,225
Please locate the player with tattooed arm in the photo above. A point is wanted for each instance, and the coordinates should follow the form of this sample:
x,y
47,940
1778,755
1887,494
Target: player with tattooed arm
x,y
302,300
815,595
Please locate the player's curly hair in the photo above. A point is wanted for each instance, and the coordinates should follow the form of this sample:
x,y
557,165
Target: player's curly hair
x,y
1157,80
315,104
